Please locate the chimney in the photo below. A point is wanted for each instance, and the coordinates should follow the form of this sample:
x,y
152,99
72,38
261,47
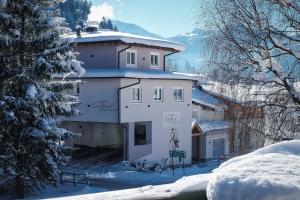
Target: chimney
x,y
78,31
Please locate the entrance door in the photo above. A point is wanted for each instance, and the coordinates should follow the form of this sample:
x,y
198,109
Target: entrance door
x,y
219,147
195,148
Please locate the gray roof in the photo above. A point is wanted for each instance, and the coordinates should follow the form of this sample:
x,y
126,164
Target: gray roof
x,y
205,98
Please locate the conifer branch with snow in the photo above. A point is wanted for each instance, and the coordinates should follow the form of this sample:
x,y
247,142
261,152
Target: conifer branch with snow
x,y
32,98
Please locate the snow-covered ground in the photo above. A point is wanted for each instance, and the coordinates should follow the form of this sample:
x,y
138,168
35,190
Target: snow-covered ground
x,y
167,191
65,190
111,178
270,173
116,174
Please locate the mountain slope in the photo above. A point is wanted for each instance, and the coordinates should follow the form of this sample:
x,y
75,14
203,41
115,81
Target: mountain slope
x,y
193,56
134,29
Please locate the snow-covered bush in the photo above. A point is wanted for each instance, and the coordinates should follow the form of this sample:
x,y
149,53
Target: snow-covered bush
x,y
270,173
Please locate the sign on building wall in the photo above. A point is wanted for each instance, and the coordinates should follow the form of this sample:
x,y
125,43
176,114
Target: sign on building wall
x,y
104,106
171,119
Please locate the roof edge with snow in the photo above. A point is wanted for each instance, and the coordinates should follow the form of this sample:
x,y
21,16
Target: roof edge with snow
x,y
133,73
109,36
207,126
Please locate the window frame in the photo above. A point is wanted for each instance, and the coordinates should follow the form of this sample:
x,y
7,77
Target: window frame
x,y
134,95
178,88
161,95
158,59
135,60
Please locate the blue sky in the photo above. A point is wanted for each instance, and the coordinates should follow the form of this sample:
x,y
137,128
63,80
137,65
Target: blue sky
x,y
164,17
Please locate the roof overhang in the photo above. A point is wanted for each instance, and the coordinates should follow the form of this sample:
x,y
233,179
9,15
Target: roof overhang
x,y
125,38
124,72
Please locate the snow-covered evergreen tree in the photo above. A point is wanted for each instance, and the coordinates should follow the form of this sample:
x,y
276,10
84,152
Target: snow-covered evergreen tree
x,y
109,25
103,23
34,61
75,11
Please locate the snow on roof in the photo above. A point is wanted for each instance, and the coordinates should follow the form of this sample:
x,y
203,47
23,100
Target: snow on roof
x,y
189,74
132,73
103,36
205,98
237,93
212,125
269,173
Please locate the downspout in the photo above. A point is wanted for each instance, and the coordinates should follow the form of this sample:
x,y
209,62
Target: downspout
x,y
119,53
119,96
165,59
125,147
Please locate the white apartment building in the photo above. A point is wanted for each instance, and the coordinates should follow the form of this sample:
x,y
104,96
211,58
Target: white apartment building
x,y
128,100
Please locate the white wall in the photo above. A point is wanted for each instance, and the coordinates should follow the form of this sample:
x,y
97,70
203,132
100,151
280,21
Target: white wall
x,y
210,136
99,100
137,151
143,56
95,91
149,110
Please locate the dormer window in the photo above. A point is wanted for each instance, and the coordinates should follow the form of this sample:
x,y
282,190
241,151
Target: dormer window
x,y
131,58
154,60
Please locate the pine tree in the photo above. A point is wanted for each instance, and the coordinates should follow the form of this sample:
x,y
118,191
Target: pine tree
x,y
115,28
33,57
103,23
74,11
109,25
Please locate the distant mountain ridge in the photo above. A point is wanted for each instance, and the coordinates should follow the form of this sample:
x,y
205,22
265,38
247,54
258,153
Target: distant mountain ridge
x,y
134,29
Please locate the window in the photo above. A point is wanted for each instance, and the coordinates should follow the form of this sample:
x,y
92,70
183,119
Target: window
x,y
158,94
136,94
131,58
140,134
178,94
154,60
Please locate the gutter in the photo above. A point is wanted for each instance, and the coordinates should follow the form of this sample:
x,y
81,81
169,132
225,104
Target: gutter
x,y
119,53
119,96
165,59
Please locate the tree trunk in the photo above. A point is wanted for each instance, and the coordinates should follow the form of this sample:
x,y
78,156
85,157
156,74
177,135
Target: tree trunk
x,y
20,182
20,187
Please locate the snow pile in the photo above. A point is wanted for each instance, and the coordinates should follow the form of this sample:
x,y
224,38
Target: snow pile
x,y
269,173
190,184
